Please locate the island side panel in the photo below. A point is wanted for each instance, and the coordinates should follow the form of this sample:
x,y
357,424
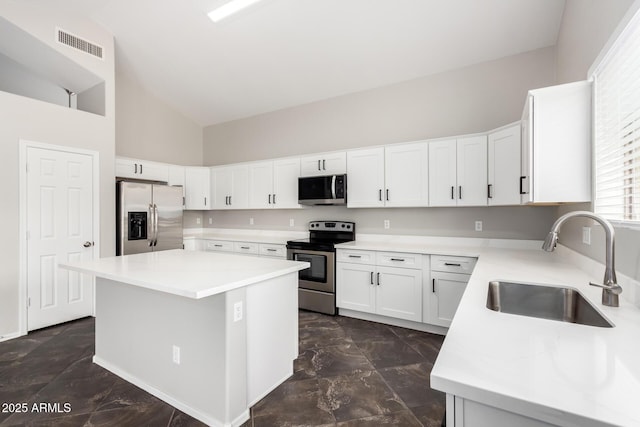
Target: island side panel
x,y
272,334
136,329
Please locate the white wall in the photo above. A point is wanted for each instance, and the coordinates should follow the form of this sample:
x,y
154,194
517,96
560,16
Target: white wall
x,y
586,27
148,129
26,118
472,99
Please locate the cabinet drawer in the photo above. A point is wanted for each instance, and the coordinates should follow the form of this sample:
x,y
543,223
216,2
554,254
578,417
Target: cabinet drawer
x,y
356,256
246,248
279,251
452,264
399,259
218,245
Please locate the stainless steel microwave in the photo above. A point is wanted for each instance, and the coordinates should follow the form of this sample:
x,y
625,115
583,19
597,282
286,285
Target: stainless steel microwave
x,y
322,190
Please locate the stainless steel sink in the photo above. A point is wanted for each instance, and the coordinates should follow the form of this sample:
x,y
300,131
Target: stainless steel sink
x,y
546,302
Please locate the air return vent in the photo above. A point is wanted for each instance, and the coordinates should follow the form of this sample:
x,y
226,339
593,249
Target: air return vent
x,y
80,44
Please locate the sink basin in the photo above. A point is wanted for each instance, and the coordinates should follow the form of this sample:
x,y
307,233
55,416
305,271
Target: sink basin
x,y
546,302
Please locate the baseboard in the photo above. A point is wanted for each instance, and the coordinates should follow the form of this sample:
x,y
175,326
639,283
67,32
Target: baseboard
x,y
423,327
170,400
263,395
10,336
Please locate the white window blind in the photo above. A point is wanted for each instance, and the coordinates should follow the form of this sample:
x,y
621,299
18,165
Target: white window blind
x,y
617,128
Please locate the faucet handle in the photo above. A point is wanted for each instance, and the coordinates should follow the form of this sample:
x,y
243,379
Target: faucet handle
x,y
614,288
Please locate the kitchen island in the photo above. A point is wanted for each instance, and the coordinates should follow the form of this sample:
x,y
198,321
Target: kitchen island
x,y
209,333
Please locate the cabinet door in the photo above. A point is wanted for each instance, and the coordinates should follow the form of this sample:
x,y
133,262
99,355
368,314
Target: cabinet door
x,y
311,165
447,290
354,287
526,157
197,190
399,293
442,173
126,168
406,175
221,186
239,187
260,185
365,178
153,171
504,167
334,163
176,177
285,183
471,171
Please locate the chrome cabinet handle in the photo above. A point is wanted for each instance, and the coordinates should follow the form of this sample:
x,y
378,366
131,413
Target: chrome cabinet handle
x,y
136,168
522,178
323,165
274,199
433,285
397,259
205,201
378,278
140,167
87,244
489,187
272,250
380,194
269,198
372,277
460,192
319,164
452,193
245,247
387,194
452,264
217,246
355,256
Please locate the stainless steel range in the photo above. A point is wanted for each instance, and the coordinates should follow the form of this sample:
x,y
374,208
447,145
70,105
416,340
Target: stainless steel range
x,y
317,284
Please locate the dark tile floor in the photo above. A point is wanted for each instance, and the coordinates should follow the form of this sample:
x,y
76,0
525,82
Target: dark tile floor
x,y
350,373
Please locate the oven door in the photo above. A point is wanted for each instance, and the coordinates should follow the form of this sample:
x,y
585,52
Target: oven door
x,y
321,275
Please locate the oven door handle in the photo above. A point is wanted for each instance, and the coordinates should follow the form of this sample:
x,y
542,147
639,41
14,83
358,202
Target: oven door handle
x,y
333,187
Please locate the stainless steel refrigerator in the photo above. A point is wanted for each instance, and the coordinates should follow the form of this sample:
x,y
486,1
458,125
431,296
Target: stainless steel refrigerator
x,y
149,217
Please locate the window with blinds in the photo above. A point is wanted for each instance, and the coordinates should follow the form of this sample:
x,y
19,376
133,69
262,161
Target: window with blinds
x,y
617,128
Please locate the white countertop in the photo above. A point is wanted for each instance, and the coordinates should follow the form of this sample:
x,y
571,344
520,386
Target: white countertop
x,y
191,274
274,237
560,373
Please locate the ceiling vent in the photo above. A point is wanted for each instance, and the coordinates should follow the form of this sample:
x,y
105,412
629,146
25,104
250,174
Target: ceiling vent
x,y
78,43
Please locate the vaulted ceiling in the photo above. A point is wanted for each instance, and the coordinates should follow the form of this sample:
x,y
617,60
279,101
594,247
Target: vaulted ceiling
x,y
282,53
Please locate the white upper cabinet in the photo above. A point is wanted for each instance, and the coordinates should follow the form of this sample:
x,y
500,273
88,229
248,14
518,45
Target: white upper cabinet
x,y
396,175
458,172
556,144
406,171
176,177
504,167
197,188
442,173
274,184
365,178
472,171
230,187
141,169
334,163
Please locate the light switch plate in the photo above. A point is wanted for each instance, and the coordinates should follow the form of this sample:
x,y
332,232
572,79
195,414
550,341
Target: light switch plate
x,y
237,311
387,224
478,225
586,235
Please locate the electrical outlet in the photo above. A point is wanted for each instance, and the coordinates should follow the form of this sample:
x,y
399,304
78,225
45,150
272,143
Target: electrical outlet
x,y
210,221
586,235
250,221
198,221
176,354
237,311
387,224
478,225
291,222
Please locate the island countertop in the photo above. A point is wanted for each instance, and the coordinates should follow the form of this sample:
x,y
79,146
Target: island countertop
x,y
190,274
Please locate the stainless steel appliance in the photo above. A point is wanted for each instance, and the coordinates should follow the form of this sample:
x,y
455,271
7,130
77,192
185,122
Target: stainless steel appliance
x,y
322,190
149,217
317,284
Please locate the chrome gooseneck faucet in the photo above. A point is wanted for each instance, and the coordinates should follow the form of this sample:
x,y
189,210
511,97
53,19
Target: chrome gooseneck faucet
x,y
610,287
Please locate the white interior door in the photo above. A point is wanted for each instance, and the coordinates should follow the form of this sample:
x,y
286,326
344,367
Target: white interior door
x,y
59,228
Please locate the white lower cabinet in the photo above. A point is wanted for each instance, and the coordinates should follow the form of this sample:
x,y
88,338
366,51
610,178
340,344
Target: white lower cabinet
x,y
364,283
449,278
249,248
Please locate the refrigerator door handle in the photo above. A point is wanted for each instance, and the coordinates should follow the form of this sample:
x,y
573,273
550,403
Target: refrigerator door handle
x,y
155,224
150,228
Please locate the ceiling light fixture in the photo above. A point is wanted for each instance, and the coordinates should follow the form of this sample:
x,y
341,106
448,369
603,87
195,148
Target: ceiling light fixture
x,y
229,9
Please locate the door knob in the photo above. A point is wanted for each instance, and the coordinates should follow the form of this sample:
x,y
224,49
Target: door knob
x,y
87,244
